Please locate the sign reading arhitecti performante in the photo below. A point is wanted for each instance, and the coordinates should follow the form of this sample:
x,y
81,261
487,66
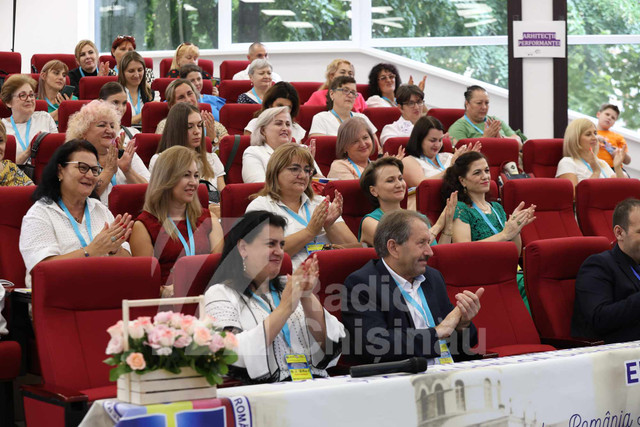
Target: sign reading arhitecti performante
x,y
539,39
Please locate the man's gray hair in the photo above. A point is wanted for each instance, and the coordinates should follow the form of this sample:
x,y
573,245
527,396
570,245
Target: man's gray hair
x,y
259,64
394,226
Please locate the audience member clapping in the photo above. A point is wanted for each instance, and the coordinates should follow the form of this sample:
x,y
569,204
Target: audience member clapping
x,y
114,93
87,58
384,81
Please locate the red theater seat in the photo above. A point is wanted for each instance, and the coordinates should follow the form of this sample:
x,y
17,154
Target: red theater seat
x,y
129,198
234,200
11,62
10,357
48,146
234,174
305,89
39,60
90,86
148,62
66,110
160,84
147,146
503,317
11,264
541,157
229,68
497,150
447,116
235,117
231,89
10,148
325,152
380,117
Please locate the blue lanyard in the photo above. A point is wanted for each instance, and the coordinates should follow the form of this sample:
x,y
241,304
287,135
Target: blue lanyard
x,y
635,273
338,117
74,223
484,217
439,166
115,70
591,170
253,90
54,106
355,167
298,217
81,72
423,309
23,143
393,103
137,107
276,302
113,180
189,249
472,124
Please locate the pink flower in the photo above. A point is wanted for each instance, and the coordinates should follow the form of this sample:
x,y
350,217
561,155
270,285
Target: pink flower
x,y
163,317
208,321
145,321
217,343
188,323
136,329
182,339
201,335
115,345
176,320
230,341
116,330
161,336
136,361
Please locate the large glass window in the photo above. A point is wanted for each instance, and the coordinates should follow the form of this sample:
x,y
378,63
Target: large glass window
x,y
595,17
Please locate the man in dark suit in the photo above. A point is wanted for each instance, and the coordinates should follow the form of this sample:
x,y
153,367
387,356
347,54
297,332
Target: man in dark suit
x,y
397,307
607,302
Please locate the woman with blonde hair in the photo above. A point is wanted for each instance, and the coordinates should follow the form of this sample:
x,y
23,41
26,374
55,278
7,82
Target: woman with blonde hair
x,y
53,78
173,223
580,150
87,58
186,53
313,223
132,77
337,68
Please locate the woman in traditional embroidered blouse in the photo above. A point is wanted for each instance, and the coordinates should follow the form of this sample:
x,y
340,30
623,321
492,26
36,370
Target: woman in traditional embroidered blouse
x,y
260,76
66,220
173,223
10,174
272,317
132,77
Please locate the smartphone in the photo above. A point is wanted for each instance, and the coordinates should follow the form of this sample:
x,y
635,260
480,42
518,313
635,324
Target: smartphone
x,y
68,90
120,153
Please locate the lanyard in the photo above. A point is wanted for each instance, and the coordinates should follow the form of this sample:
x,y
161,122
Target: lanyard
x,y
54,106
591,170
189,249
115,70
23,143
253,90
355,167
113,180
276,302
473,124
74,223
393,103
484,217
298,217
423,309
137,107
338,117
439,166
635,273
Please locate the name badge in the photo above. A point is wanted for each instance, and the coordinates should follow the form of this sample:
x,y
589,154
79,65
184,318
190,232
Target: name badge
x,y
445,356
298,367
314,247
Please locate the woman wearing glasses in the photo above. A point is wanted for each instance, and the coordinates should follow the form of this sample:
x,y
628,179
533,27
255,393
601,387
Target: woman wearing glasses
x,y
384,80
337,68
260,76
410,101
99,123
18,93
67,221
313,223
186,53
10,174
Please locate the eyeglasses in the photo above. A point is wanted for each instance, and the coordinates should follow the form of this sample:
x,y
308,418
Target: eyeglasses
x,y
84,168
347,92
23,96
387,77
412,104
297,170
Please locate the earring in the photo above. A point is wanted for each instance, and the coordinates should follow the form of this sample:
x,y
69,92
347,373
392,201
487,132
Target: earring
x,y
465,190
244,265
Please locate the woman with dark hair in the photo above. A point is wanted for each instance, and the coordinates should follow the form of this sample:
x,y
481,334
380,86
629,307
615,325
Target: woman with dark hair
x,y
66,220
476,123
336,68
132,77
281,94
122,45
424,159
410,100
114,93
384,80
272,317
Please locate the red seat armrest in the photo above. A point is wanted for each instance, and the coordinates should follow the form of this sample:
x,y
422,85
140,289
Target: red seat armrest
x,y
570,342
61,394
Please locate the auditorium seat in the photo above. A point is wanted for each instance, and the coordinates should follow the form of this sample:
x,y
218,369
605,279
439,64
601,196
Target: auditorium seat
x,y
231,89
66,110
192,274
48,146
5,112
235,117
148,62
229,68
305,116
497,150
165,66
10,148
70,320
597,198
234,174
147,146
506,323
554,207
39,60
10,357
129,198
541,157
392,145
234,199
160,85
380,117
154,112
325,152
363,89
90,86
550,270
11,263
447,116
305,89
11,62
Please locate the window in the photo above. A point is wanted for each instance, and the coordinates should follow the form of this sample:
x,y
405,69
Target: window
x,y
439,392
488,394
460,399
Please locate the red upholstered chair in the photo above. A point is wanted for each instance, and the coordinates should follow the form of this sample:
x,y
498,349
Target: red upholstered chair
x,y
229,68
363,89
597,198
6,112
154,112
48,146
429,198
234,199
10,357
231,89
550,269
192,274
305,116
11,62
160,84
129,198
305,89
506,323
447,116
70,321
325,152
39,60
497,150
207,87
380,117
554,212
165,66
10,148
147,145
90,86
206,65
11,263
392,145
235,117
66,110
541,157
148,62
234,174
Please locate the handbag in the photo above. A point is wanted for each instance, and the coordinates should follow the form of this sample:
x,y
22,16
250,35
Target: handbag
x,y
29,166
